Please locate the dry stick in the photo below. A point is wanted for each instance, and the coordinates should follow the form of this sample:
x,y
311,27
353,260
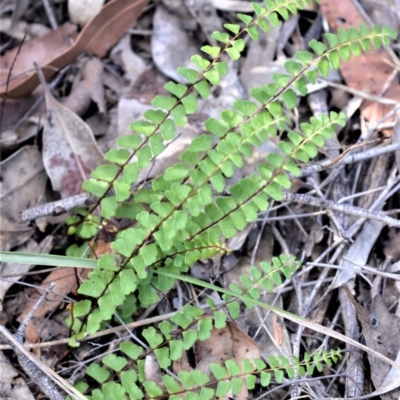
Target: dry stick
x,y
324,273
361,94
36,370
58,207
50,14
348,159
305,312
345,208
351,232
85,199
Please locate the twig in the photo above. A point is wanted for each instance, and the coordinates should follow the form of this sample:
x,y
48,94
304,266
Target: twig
x,y
359,93
20,334
58,207
348,159
350,148
50,14
37,371
345,208
86,199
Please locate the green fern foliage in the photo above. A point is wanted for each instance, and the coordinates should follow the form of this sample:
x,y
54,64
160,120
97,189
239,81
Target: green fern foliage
x,y
186,214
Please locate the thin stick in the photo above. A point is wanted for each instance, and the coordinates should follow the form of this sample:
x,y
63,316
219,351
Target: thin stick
x,y
348,159
350,148
344,208
20,334
85,199
40,374
50,14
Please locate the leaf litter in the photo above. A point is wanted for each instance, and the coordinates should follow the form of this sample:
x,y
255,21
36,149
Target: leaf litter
x,y
115,71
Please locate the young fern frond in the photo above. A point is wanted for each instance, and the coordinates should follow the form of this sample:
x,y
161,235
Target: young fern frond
x,y
196,384
191,324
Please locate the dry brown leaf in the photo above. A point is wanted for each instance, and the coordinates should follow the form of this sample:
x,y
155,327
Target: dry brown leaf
x,y
70,151
381,332
391,382
230,343
42,49
65,281
97,37
369,72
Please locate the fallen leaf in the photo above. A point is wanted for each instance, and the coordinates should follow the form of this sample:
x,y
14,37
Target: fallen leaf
x,y
123,56
391,382
369,72
89,88
230,343
97,37
65,280
168,35
12,387
70,151
22,185
42,49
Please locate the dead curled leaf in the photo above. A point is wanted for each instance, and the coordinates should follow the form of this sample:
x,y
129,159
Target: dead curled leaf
x,y
97,37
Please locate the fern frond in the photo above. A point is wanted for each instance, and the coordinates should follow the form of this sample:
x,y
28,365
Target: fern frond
x,y
185,220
